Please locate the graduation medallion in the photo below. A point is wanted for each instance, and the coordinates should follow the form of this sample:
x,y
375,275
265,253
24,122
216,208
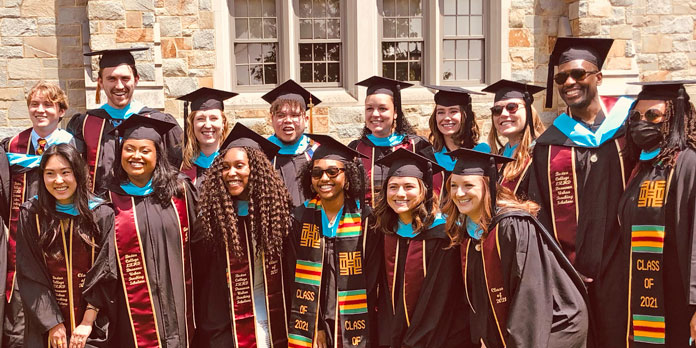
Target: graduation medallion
x,y
593,158
477,247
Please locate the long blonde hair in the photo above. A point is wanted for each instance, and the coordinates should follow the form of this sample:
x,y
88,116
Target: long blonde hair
x,y
522,153
505,201
191,149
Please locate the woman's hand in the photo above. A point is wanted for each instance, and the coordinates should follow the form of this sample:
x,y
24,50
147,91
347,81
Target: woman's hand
x,y
80,334
692,327
56,336
320,340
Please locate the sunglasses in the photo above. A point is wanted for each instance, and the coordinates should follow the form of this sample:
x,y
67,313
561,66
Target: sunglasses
x,y
651,115
330,172
578,74
511,108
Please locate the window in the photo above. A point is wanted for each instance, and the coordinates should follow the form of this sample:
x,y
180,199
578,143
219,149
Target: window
x,y
402,39
463,41
256,42
320,41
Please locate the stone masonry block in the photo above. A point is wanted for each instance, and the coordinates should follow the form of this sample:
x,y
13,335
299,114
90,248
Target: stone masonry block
x,y
204,39
18,27
107,10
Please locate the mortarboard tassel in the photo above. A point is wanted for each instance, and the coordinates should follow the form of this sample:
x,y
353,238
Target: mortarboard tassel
x,y
186,113
492,181
528,100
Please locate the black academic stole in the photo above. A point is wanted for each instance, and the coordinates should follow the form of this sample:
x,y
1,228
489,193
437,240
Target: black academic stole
x,y
414,272
20,143
68,274
647,293
351,307
93,139
133,269
369,164
498,295
241,295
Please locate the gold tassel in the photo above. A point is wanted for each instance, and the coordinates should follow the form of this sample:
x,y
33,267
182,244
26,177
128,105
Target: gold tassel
x,y
97,96
311,107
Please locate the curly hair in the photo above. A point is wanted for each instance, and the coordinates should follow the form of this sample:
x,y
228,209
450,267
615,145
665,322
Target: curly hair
x,y
523,152
355,178
505,201
269,207
165,181
84,224
467,136
668,154
192,149
386,220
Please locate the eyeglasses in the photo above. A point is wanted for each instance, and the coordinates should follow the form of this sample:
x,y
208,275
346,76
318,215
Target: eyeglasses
x,y
652,115
578,74
332,172
497,110
282,116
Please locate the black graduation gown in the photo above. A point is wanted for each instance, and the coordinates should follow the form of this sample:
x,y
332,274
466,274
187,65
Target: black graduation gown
x,y
161,245
4,213
171,139
289,167
600,184
41,309
439,319
679,274
198,175
420,145
547,305
328,291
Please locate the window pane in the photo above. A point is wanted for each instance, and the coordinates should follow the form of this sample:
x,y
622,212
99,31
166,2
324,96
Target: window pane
x,y
305,52
401,50
333,52
462,70
402,27
270,74
333,29
416,8
475,70
463,25
448,52
402,7
388,51
414,71
416,27
305,28
333,8
269,28
256,72
334,73
255,8
242,75
388,70
462,49
462,7
402,71
319,9
476,7
240,8
306,72
475,49
241,54
269,53
448,70
450,7
388,7
305,8
450,25
414,49
319,29
255,28
241,28
389,27
476,25
319,72
255,53
319,52
269,8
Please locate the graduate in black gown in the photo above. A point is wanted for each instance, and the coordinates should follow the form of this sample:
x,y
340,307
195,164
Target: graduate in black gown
x,y
420,303
204,130
579,171
386,129
93,130
332,258
143,274
452,125
515,118
46,104
657,217
243,216
291,114
522,290
60,233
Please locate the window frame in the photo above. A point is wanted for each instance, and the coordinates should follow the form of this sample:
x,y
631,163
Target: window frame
x,y
484,37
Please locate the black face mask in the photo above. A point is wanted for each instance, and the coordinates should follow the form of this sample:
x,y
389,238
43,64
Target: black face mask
x,y
646,135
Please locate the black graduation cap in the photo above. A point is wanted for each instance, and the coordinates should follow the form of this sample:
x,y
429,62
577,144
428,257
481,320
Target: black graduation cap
x,y
470,162
669,90
506,89
142,127
291,90
242,136
452,95
114,57
331,148
405,163
593,50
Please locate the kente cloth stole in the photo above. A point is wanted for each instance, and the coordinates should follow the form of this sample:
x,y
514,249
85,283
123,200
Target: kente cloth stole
x,y
93,140
240,283
351,315
647,294
498,295
414,272
68,274
20,143
369,164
